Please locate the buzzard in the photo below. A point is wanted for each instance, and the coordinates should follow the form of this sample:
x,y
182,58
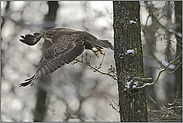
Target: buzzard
x,y
67,44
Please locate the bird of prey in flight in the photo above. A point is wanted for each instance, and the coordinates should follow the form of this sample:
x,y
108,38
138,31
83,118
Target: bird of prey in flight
x,y
67,44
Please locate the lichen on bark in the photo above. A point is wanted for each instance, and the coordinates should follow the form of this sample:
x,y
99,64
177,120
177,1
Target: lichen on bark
x,y
127,36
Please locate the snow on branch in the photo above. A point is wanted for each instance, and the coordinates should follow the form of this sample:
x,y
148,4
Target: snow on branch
x,y
134,82
132,22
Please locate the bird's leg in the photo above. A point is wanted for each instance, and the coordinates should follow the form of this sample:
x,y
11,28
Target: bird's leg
x,y
95,52
98,50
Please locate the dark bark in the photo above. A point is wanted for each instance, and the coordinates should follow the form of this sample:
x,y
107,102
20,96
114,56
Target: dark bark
x,y
127,35
41,106
178,72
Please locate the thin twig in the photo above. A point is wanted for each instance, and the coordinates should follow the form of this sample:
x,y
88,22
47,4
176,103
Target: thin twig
x,y
164,27
95,69
150,84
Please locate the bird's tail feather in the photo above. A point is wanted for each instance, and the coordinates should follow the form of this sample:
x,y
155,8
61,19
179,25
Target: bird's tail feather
x,y
106,44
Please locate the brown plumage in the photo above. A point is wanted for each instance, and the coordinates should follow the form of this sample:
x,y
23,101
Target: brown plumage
x,y
67,44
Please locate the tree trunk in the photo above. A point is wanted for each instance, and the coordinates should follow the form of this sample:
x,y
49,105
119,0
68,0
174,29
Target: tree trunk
x,y
168,84
178,72
129,60
41,106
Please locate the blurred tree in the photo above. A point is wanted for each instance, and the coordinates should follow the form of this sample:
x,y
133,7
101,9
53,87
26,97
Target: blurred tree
x,y
41,106
154,34
163,33
2,24
149,50
6,9
178,25
178,72
129,60
168,55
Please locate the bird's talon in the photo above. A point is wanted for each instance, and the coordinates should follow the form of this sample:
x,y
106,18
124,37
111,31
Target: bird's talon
x,y
95,52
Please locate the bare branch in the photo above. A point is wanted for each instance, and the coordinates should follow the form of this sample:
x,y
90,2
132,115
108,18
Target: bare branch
x,y
164,27
97,70
150,84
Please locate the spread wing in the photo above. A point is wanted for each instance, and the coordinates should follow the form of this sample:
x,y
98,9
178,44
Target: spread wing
x,y
56,56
